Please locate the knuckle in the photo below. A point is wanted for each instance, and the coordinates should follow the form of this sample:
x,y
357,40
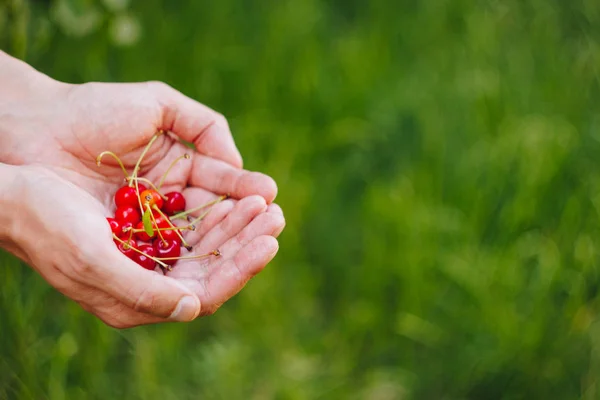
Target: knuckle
x,y
87,86
142,302
145,302
158,86
87,257
90,254
83,269
220,119
216,120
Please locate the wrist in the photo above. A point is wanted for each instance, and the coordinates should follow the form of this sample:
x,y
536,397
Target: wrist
x,y
19,81
26,99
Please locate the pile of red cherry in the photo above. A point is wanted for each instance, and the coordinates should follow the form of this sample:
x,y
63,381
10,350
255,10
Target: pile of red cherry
x,y
128,226
142,225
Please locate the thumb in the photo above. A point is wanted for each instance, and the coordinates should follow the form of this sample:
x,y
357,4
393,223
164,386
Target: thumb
x,y
143,290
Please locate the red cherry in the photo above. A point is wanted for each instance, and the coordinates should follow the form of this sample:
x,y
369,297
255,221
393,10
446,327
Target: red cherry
x,y
127,250
127,214
170,234
175,203
167,249
143,236
143,259
115,226
126,196
152,197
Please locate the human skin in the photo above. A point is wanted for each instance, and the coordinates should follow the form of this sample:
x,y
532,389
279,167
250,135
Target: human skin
x,y
54,199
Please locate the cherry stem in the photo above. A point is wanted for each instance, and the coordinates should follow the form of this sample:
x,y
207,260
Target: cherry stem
x,y
127,246
139,161
137,191
137,168
191,210
200,218
175,161
212,253
185,244
155,224
149,182
113,155
183,228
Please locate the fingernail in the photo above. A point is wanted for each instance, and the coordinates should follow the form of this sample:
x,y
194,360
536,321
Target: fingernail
x,y
186,309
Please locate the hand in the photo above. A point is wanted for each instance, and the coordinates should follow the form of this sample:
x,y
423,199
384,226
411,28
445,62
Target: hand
x,y
54,131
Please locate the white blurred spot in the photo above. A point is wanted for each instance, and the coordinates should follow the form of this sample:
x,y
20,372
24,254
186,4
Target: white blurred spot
x,y
125,30
73,22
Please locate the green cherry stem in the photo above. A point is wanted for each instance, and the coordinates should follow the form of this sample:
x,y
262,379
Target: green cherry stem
x,y
139,161
183,242
191,210
193,222
175,161
212,253
137,191
137,168
126,245
182,228
113,155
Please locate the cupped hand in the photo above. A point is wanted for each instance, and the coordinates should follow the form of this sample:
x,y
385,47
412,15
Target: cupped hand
x,y
55,131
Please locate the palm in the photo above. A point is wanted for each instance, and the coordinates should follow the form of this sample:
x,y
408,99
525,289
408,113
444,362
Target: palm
x,y
242,228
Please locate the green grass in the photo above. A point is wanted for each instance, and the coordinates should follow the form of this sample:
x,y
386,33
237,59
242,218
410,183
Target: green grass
x,y
438,165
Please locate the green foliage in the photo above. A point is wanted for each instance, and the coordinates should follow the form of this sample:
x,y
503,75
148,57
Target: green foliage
x,y
437,163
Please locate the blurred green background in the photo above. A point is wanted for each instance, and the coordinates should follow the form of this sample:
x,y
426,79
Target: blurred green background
x,y
439,168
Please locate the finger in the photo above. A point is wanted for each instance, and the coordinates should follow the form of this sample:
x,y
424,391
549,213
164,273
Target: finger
x,y
268,223
241,215
231,276
219,177
148,292
216,214
206,205
197,123
274,208
196,197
